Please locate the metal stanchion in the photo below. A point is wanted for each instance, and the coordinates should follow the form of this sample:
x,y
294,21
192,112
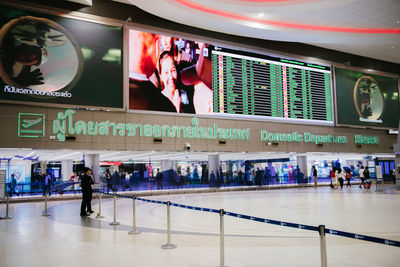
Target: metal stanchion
x,y
99,213
45,214
168,245
324,260
115,211
134,231
221,239
7,203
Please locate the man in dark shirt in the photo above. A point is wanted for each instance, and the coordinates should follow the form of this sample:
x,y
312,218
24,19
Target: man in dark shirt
x,y
86,184
159,178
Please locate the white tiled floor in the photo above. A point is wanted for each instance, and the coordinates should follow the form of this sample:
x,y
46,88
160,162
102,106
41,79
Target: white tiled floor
x,y
66,239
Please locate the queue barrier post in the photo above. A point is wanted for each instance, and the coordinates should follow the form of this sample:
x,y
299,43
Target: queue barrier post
x,y
99,213
45,214
7,203
134,231
221,239
115,211
322,242
168,245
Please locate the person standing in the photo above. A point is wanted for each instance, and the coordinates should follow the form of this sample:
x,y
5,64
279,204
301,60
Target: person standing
x,y
367,177
341,177
348,177
47,184
240,174
12,185
123,185
334,177
86,184
315,175
159,178
361,176
258,177
108,179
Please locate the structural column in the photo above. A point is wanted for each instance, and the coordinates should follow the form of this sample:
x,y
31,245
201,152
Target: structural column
x,y
92,161
67,169
214,175
302,167
166,169
396,151
43,167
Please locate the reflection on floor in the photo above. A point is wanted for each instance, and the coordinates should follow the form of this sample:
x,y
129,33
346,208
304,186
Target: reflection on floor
x,y
66,239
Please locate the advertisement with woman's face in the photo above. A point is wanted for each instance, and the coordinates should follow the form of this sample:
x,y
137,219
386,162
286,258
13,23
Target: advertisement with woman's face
x,y
168,74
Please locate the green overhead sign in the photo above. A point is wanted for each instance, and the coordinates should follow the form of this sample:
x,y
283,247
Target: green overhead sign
x,y
318,139
33,125
65,125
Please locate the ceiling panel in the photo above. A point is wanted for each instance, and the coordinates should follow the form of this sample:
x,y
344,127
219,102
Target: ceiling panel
x,y
250,18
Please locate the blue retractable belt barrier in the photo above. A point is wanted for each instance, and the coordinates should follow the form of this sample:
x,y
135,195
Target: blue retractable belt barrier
x,y
275,222
363,237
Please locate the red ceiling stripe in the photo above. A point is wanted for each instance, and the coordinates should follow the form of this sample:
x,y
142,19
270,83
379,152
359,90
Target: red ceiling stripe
x,y
266,1
284,24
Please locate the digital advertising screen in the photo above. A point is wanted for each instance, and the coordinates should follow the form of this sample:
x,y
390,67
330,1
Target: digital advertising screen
x,y
169,74
365,99
184,76
53,59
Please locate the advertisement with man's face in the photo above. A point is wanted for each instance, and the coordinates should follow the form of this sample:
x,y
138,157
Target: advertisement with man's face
x,y
169,74
52,59
366,100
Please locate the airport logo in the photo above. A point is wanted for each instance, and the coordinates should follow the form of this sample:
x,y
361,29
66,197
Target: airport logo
x,y
389,242
358,236
31,125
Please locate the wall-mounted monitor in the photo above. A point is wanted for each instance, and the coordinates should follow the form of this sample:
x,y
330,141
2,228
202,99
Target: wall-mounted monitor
x,y
53,59
365,99
185,76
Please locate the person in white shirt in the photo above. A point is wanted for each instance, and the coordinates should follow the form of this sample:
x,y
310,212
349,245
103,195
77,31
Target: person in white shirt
x,y
361,176
341,176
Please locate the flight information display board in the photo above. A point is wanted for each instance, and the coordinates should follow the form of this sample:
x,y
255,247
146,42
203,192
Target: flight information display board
x,y
251,84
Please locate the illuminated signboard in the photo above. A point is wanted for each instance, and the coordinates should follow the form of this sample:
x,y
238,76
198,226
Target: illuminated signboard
x,y
31,125
52,59
177,75
318,139
365,99
249,84
65,125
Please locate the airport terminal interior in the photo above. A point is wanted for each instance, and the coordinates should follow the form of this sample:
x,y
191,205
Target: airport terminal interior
x,y
199,133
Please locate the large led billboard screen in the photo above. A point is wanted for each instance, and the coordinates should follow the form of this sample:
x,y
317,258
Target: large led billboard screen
x,y
184,76
54,59
365,99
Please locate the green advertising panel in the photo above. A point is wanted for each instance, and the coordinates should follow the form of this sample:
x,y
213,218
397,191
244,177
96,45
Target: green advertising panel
x,y
365,99
52,59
